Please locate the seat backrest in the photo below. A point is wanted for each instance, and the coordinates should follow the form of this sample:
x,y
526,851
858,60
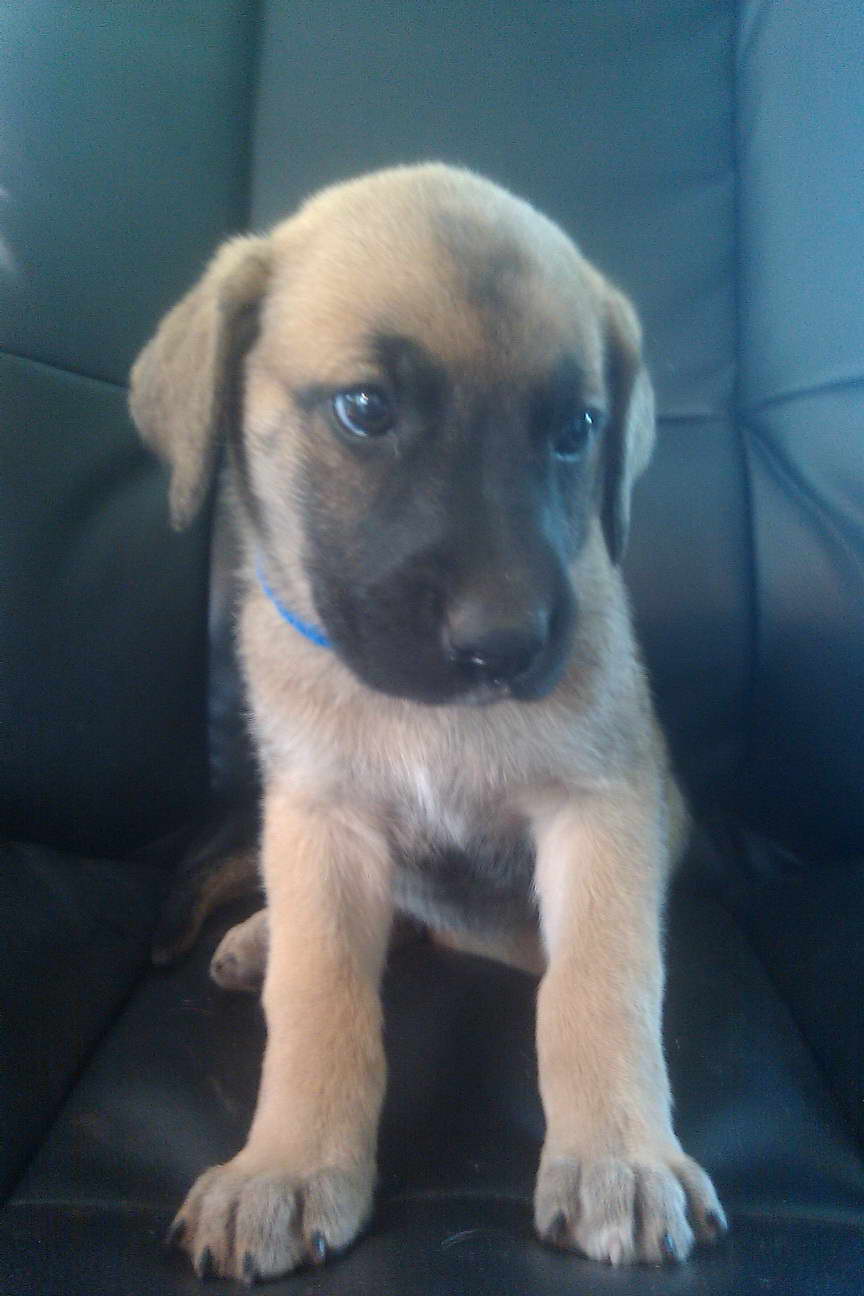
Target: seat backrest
x,y
122,162
706,154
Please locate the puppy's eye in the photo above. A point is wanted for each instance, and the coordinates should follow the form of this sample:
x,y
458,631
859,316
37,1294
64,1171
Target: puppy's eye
x,y
364,411
573,438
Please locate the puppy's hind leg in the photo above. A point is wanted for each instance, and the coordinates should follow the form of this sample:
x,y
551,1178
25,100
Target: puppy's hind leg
x,y
240,960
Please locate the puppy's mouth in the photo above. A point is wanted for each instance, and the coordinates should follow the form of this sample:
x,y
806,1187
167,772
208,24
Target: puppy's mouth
x,y
488,692
485,692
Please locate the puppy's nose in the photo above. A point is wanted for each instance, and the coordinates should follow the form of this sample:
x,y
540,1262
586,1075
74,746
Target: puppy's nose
x,y
499,650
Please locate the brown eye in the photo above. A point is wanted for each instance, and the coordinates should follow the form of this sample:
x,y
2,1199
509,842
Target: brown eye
x,y
364,411
573,439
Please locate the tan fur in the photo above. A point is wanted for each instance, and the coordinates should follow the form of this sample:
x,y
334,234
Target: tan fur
x,y
240,960
349,772
196,892
520,948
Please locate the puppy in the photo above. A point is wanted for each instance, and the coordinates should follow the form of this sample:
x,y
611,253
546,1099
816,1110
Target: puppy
x,y
432,410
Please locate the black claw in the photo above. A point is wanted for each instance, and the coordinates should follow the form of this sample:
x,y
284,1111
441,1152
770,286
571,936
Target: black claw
x,y
250,1270
204,1265
667,1246
318,1244
175,1233
557,1233
715,1226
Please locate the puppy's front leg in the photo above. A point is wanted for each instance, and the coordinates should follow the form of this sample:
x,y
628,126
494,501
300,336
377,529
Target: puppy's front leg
x,y
613,1178
302,1185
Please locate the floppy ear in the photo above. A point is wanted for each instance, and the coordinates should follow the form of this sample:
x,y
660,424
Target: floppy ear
x,y
629,437
181,385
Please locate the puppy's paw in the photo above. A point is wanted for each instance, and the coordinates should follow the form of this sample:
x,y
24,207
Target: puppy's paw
x,y
623,1211
238,1223
241,956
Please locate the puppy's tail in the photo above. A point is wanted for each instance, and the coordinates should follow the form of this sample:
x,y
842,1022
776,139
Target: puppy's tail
x,y
218,868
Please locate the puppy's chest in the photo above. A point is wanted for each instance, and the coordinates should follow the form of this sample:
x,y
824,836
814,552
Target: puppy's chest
x,y
459,862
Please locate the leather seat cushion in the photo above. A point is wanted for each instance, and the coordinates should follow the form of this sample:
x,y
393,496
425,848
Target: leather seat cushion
x,y
171,1090
74,934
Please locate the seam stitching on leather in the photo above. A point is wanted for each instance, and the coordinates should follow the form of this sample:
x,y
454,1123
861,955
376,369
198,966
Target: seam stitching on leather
x,y
60,368
801,393
831,527
755,662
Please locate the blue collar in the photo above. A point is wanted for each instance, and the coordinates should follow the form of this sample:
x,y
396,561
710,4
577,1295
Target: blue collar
x,y
310,632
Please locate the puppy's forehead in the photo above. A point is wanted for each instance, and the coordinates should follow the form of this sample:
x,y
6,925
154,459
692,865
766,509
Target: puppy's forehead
x,y
477,278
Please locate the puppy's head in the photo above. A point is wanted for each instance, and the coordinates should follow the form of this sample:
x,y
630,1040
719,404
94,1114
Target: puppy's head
x,y
433,407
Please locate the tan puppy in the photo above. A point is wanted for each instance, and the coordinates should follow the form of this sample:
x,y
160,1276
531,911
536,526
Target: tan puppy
x,y
432,412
